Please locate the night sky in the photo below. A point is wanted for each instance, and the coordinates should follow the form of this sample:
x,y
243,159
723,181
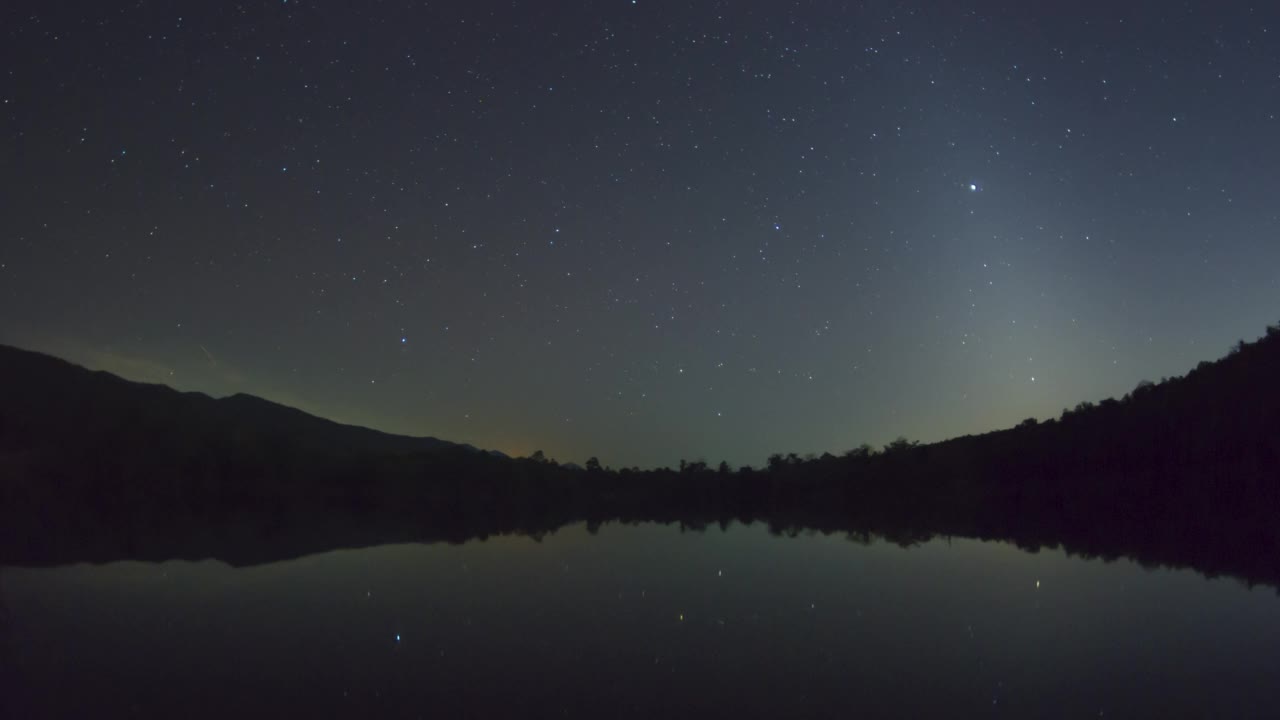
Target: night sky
x,y
642,230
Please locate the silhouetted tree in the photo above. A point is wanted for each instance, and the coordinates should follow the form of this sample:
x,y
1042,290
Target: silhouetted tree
x,y
861,452
899,445
776,462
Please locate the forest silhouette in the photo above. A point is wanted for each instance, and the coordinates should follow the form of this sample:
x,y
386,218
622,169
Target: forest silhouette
x,y
1181,473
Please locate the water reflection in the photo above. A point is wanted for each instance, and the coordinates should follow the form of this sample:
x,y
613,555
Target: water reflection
x,y
640,621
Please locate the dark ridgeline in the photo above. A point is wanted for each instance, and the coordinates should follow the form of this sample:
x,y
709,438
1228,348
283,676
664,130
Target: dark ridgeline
x,y
1185,472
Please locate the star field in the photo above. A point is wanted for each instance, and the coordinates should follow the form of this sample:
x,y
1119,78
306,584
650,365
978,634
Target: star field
x,y
642,230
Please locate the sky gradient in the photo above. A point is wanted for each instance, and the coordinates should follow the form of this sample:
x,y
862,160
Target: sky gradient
x,y
642,230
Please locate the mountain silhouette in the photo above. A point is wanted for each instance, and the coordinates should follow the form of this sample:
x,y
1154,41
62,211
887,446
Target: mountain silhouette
x,y
49,404
1183,472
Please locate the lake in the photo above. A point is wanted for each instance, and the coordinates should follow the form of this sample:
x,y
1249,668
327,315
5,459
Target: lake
x,y
640,621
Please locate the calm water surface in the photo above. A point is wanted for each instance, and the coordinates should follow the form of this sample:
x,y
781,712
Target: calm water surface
x,y
640,622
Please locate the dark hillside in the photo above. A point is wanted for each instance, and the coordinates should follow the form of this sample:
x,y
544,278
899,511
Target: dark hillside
x,y
47,404
1181,472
